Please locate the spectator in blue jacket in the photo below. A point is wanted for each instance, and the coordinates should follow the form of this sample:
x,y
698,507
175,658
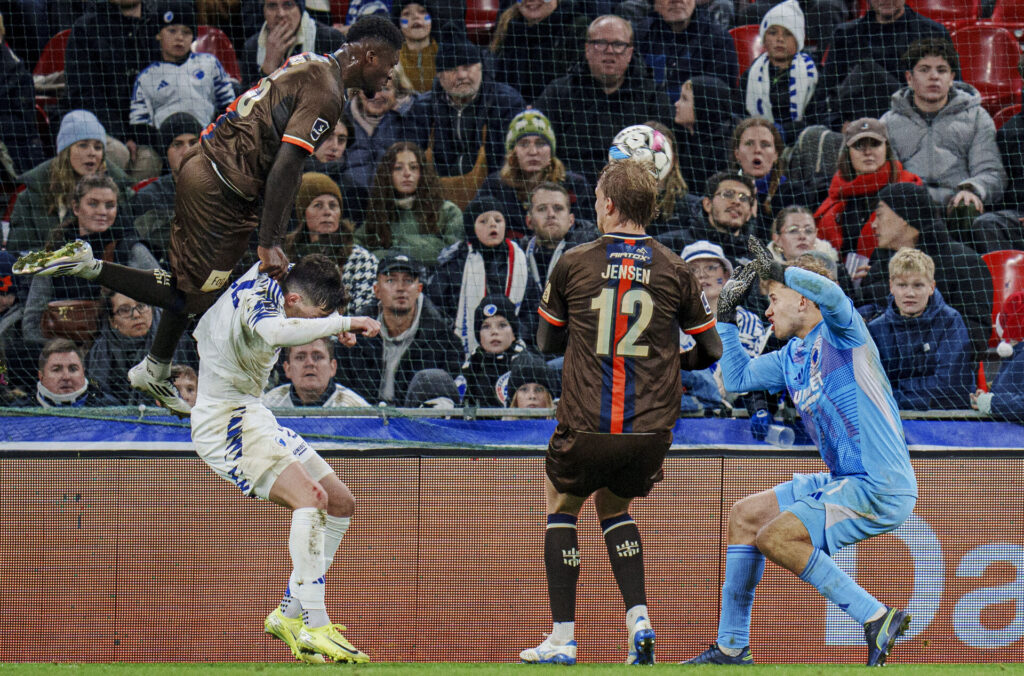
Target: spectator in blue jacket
x,y
1006,400
678,43
922,342
463,120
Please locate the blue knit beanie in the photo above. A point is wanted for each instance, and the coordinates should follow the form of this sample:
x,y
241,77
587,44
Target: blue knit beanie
x,y
79,125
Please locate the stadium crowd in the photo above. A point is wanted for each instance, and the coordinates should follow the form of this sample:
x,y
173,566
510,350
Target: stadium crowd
x,y
853,137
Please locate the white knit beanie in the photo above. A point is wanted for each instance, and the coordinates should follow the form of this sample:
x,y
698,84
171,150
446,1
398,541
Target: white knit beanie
x,y
788,15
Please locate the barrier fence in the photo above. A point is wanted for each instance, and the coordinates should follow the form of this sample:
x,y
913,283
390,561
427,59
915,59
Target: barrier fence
x,y
147,556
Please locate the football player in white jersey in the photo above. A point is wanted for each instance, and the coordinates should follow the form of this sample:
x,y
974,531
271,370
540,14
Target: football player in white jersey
x,y
239,438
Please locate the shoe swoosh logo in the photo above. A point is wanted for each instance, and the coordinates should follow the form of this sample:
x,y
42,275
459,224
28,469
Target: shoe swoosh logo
x,y
884,631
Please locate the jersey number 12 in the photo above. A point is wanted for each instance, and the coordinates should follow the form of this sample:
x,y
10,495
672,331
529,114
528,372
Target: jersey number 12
x,y
608,315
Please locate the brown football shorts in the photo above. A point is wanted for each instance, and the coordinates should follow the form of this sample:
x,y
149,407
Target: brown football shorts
x,y
210,232
628,465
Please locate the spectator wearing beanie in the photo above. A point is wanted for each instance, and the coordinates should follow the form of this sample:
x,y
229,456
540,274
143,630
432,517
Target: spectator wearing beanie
x,y
432,388
153,205
287,29
487,262
46,201
530,160
532,383
1005,401
463,119
906,216
780,83
323,229
706,111
485,373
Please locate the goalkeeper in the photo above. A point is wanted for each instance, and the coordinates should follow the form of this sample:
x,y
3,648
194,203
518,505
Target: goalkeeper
x,y
830,367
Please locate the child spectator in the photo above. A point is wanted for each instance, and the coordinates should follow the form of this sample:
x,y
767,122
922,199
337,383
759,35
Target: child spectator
x,y
1006,399
922,342
780,83
486,263
182,81
485,374
531,383
419,50
184,378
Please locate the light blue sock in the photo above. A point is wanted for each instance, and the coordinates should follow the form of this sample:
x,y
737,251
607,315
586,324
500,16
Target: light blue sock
x,y
744,566
824,575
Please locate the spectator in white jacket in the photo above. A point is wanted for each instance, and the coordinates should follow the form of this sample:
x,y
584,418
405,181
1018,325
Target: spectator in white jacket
x,y
940,132
182,81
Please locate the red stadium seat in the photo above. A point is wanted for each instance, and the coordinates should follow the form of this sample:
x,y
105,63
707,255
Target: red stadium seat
x,y
339,8
1008,13
212,40
950,13
988,60
481,17
52,58
748,44
1007,269
1005,114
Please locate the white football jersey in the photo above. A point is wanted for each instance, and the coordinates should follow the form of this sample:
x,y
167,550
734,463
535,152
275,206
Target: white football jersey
x,y
234,361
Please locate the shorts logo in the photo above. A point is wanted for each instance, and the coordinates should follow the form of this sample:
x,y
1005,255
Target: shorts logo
x,y
571,557
217,279
319,127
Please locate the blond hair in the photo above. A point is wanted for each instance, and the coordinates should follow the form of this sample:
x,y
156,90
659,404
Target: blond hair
x,y
632,189
908,261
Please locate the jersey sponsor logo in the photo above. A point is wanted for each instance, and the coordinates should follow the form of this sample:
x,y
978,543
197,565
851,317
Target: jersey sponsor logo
x,y
547,292
705,303
319,127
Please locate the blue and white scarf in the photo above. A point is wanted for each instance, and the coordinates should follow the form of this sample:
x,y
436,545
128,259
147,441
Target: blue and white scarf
x,y
803,78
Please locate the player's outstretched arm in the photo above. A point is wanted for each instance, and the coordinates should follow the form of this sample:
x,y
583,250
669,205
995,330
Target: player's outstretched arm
x,y
836,309
281,185
281,331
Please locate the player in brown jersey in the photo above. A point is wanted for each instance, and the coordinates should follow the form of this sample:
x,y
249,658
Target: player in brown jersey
x,y
252,155
615,306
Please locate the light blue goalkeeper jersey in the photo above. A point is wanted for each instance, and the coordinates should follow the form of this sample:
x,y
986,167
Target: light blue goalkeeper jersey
x,y
836,380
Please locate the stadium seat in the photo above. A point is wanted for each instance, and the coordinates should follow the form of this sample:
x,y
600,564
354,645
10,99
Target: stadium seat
x,y
52,58
988,60
1009,14
481,17
1007,269
952,14
339,8
748,44
212,40
1005,114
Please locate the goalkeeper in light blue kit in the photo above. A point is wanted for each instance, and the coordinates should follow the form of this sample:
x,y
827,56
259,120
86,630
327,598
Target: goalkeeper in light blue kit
x,y
831,369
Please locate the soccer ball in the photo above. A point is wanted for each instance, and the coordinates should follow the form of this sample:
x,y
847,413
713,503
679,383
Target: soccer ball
x,y
644,144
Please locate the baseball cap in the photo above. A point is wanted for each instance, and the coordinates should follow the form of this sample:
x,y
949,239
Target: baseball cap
x,y
397,261
865,127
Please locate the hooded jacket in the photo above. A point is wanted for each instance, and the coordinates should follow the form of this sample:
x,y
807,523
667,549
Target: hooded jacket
x,y
457,133
956,150
584,147
927,358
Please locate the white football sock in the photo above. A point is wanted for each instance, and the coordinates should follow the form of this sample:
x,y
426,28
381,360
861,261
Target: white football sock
x,y
306,546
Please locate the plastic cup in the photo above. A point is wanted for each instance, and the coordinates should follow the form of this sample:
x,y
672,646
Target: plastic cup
x,y
780,435
852,263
